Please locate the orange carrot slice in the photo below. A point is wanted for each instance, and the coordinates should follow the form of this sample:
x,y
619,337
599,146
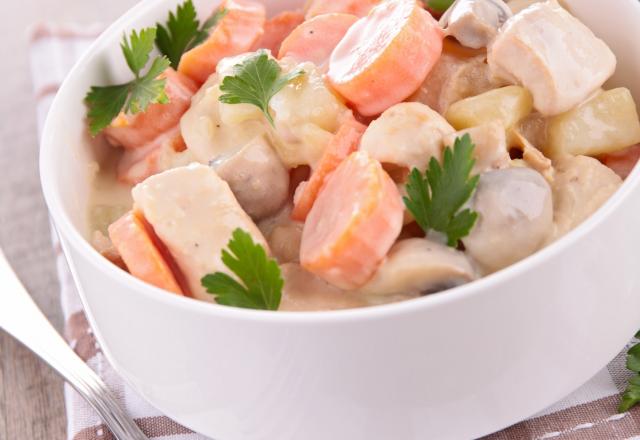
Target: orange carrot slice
x,y
135,131
143,252
623,161
343,143
277,29
353,223
136,165
359,8
315,39
236,33
385,56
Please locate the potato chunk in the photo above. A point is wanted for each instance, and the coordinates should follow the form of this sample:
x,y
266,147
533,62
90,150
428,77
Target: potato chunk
x,y
508,105
306,113
552,54
605,124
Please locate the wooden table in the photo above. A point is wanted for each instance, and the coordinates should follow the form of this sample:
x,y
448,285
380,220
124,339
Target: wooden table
x,y
31,398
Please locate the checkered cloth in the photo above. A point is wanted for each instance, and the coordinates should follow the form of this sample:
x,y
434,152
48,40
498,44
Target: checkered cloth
x,y
588,413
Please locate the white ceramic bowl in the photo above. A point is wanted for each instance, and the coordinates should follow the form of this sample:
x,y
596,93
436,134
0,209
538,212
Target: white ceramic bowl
x,y
456,365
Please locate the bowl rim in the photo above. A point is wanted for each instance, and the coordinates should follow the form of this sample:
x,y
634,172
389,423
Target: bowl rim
x,y
65,228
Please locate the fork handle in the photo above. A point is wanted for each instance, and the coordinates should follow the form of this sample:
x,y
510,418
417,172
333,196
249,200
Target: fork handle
x,y
22,319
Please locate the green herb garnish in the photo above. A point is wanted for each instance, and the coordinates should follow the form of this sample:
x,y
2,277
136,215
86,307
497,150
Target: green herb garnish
x,y
182,31
106,103
255,81
260,275
435,198
439,5
631,395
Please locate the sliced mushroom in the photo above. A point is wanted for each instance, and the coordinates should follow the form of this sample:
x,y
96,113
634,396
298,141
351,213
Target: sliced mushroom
x,y
406,135
531,156
515,216
475,23
452,79
257,178
304,291
418,266
490,150
582,185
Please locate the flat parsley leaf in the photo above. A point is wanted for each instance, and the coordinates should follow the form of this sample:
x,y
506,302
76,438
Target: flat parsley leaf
x,y
137,48
183,31
255,81
106,102
439,5
435,198
262,282
148,89
631,395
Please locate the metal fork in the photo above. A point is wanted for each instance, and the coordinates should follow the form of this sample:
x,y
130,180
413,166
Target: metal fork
x,y
22,319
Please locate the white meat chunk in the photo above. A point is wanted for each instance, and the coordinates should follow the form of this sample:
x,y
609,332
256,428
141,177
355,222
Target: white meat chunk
x,y
519,5
406,135
194,213
257,178
419,266
582,185
550,52
475,23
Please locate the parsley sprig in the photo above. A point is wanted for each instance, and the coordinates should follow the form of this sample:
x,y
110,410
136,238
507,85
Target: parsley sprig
x,y
106,102
435,198
255,81
439,5
183,32
631,395
262,281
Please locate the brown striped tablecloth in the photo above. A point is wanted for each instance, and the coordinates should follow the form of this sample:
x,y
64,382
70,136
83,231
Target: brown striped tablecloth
x,y
588,413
